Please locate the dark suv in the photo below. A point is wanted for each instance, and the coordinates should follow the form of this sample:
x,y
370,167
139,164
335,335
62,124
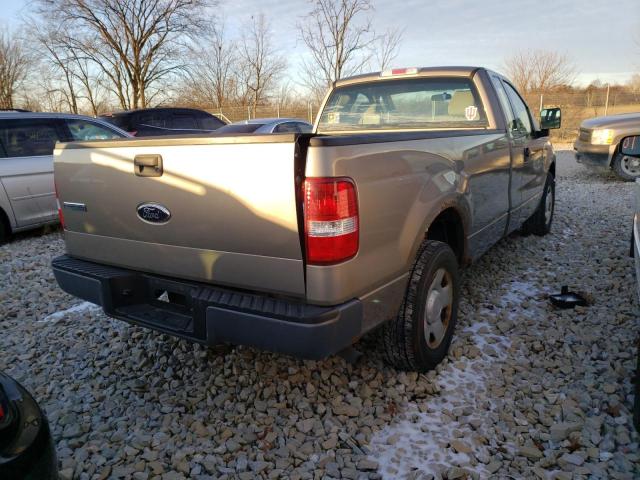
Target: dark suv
x,y
152,122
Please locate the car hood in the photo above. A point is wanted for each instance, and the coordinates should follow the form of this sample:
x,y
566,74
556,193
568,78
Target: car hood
x,y
613,121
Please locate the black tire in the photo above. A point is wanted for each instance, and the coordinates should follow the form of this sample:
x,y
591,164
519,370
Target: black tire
x,y
405,342
5,232
540,222
626,167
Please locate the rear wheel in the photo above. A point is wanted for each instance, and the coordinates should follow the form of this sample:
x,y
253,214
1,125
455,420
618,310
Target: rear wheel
x,y
540,222
419,337
626,167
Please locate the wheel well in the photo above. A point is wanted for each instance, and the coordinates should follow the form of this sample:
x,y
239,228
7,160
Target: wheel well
x,y
448,228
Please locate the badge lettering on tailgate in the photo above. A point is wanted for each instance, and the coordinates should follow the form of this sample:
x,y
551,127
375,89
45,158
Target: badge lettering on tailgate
x,y
153,213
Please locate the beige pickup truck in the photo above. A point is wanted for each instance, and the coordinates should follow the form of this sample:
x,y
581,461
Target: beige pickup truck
x,y
301,243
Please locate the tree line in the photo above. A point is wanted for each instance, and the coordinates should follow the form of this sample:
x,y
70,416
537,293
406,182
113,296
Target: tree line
x,y
93,55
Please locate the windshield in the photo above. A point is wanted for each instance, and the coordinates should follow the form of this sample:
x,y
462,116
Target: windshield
x,y
240,128
417,103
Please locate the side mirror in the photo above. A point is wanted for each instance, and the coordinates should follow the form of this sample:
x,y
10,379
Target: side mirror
x,y
550,118
631,146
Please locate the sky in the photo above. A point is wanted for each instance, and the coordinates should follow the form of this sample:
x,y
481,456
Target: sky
x,y
601,38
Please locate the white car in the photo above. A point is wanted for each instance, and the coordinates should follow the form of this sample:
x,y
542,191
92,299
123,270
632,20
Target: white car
x,y
27,140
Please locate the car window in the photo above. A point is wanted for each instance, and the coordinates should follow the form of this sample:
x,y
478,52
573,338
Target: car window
x,y
504,101
209,122
29,137
84,130
153,119
522,123
304,127
417,103
185,121
240,128
120,121
290,127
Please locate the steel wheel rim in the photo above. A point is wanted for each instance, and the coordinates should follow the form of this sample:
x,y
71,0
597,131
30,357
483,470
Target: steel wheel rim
x,y
548,205
630,165
438,308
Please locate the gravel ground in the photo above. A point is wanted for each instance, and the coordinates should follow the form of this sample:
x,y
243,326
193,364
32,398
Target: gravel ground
x,y
527,391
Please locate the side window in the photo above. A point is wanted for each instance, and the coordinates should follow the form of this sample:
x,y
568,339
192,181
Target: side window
x,y
29,138
304,128
185,121
504,101
210,122
522,125
152,119
84,130
286,127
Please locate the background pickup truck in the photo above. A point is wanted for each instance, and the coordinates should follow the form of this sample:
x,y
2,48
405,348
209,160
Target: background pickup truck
x,y
301,243
611,142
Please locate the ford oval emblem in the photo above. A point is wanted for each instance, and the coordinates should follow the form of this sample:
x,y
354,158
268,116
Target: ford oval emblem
x,y
153,213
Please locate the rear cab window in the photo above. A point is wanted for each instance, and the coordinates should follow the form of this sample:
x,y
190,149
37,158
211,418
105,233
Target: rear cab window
x,y
404,104
29,137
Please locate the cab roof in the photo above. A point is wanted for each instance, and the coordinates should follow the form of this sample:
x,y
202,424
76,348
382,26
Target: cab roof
x,y
416,72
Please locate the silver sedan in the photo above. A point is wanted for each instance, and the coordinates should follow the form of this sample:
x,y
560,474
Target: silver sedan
x,y
267,125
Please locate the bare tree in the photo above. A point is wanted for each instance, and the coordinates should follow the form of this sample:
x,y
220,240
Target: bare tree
x,y
14,63
387,47
261,64
539,71
338,39
634,85
213,77
49,48
135,43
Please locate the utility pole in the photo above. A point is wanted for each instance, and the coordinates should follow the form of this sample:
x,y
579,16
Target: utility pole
x,y
606,102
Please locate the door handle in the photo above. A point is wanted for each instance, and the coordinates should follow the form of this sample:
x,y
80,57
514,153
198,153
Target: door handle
x,y
148,165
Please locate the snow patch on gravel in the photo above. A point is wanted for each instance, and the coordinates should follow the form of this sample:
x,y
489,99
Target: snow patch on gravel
x,y
425,436
80,307
422,437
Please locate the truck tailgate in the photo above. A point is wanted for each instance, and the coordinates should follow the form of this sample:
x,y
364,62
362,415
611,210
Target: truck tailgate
x,y
222,211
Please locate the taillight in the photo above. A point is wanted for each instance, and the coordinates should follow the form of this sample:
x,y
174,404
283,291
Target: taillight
x,y
60,215
133,133
331,223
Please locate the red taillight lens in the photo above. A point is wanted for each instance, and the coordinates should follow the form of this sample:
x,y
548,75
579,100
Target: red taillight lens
x,y
331,222
133,133
60,215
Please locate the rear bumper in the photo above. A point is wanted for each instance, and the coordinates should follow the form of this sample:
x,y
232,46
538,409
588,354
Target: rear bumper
x,y
211,315
593,155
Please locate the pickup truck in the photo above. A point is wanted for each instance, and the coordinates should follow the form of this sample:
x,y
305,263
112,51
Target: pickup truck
x,y
301,243
611,142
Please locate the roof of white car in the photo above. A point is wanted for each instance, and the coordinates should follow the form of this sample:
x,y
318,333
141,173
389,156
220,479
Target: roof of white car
x,y
8,114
